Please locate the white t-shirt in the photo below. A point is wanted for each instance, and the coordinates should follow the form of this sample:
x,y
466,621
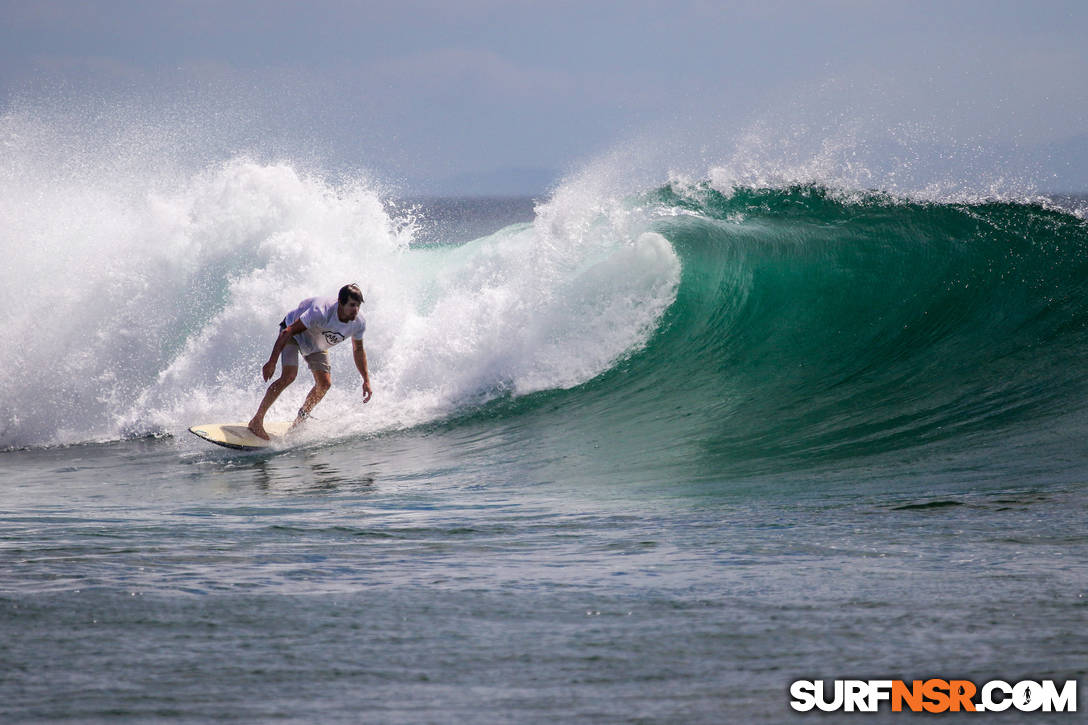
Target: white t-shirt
x,y
323,328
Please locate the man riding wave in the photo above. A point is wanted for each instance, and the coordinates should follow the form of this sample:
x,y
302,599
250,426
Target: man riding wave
x,y
312,328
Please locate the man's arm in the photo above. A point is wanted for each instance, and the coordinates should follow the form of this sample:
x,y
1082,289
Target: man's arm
x,y
295,328
359,353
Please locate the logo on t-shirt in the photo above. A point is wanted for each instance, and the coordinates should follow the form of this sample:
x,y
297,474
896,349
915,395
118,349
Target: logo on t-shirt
x,y
332,337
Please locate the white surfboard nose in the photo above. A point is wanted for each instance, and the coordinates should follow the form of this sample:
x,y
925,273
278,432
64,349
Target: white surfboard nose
x,y
238,435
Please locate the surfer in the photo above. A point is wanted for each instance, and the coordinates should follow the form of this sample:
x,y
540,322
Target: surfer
x,y
313,327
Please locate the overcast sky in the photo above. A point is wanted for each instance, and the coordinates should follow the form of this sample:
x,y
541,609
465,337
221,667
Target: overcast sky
x,y
476,94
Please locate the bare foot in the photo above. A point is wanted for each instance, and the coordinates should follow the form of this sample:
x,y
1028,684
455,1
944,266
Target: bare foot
x,y
256,427
299,420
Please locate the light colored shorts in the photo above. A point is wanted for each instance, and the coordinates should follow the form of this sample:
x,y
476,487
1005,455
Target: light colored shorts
x,y
318,361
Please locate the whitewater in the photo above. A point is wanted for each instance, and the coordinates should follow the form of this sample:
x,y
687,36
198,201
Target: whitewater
x,y
161,300
642,450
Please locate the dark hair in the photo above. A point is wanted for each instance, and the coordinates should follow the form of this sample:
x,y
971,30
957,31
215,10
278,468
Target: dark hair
x,y
351,292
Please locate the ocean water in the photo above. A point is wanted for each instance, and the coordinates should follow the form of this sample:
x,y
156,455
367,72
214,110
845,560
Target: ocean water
x,y
638,457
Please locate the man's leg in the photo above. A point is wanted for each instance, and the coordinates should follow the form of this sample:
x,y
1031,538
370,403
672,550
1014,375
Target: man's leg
x,y
278,386
322,383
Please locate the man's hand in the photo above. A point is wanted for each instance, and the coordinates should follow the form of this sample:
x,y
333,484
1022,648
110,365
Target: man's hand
x,y
268,370
358,352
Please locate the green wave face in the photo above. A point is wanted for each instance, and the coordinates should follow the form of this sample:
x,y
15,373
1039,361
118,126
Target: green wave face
x,y
813,328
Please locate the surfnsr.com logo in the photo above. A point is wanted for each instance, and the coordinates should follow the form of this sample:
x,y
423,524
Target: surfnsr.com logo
x,y
933,695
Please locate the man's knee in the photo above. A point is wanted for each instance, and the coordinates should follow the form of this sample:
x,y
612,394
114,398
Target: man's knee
x,y
288,375
322,381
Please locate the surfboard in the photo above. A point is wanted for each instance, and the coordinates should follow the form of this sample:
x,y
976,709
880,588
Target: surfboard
x,y
238,436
